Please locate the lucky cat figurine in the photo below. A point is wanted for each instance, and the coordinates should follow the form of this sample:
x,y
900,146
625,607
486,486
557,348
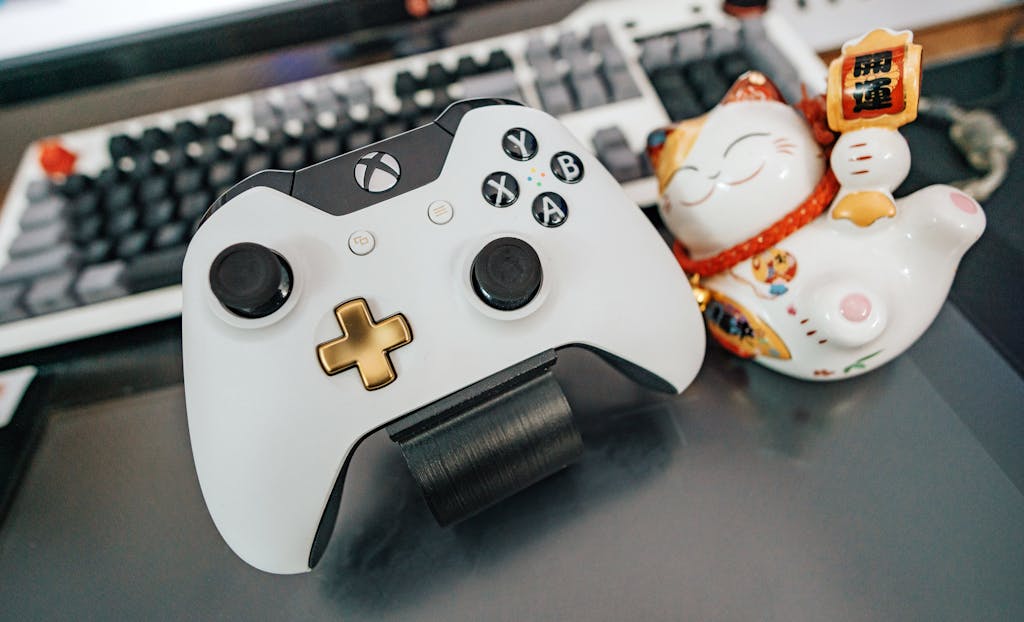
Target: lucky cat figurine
x,y
811,293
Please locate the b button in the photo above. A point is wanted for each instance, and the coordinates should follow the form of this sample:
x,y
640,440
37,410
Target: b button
x,y
567,167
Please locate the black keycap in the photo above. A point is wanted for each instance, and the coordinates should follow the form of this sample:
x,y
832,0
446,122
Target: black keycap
x,y
132,244
326,148
359,138
171,234
256,162
440,100
405,83
75,185
393,127
121,222
158,213
292,157
154,189
154,138
153,270
188,180
185,131
498,60
679,100
733,65
194,205
219,124
466,66
118,198
96,251
121,146
437,76
711,87
204,152
245,147
223,173
376,117
408,110
87,229
109,177
176,158
85,204
272,140
141,168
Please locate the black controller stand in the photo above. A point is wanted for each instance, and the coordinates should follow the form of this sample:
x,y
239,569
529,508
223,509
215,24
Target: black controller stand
x,y
490,440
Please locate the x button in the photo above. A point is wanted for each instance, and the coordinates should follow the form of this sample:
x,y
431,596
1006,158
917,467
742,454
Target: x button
x,y
500,189
364,344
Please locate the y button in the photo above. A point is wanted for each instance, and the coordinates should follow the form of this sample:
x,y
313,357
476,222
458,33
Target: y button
x,y
364,344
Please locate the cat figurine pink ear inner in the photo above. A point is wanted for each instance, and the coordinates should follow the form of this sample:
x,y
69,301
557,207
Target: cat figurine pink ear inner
x,y
750,192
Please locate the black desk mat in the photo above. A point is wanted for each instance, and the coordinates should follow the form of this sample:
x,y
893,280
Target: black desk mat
x,y
989,286
750,496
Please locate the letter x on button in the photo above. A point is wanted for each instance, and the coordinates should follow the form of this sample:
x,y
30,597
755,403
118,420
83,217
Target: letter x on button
x,y
364,344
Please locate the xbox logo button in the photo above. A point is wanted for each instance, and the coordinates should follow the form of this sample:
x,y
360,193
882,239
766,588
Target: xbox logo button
x,y
377,171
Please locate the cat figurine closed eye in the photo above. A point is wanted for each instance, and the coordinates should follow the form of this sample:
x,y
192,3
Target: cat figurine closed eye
x,y
800,268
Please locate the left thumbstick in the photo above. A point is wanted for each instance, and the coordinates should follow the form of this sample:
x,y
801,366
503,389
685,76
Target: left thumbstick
x,y
250,280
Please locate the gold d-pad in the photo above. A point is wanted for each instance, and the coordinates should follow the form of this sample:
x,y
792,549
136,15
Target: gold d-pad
x,y
364,344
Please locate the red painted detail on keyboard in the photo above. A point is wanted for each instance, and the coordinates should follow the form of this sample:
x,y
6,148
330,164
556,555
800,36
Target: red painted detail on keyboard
x,y
55,159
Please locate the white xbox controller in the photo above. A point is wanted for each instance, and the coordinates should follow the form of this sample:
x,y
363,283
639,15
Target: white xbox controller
x,y
323,304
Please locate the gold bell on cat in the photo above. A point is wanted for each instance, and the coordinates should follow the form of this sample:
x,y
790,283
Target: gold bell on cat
x,y
805,261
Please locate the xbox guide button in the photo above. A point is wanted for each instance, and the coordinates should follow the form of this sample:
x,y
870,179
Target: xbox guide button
x,y
519,144
377,171
250,280
507,274
500,189
567,167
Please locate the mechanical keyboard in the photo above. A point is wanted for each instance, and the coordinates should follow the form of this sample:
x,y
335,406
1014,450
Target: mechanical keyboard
x,y
101,249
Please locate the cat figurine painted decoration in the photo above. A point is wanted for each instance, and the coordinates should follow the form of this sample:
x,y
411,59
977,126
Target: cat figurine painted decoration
x,y
800,257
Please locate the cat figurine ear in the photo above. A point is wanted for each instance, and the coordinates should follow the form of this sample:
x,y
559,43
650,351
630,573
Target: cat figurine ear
x,y
783,276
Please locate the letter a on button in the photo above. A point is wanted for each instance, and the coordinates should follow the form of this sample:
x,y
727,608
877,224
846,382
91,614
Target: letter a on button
x,y
550,209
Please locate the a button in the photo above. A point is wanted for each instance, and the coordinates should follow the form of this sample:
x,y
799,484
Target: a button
x,y
500,189
567,167
364,344
519,144
440,212
361,242
250,280
550,209
507,274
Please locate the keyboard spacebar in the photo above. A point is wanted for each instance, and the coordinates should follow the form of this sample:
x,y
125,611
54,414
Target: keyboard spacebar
x,y
155,270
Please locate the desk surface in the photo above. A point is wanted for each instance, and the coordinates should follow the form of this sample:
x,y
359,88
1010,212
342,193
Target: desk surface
x,y
895,495
750,496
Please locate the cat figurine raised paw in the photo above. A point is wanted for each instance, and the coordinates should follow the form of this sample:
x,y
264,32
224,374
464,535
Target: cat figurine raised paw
x,y
805,262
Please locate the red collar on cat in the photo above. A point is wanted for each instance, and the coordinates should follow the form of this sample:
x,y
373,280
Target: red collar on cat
x,y
804,213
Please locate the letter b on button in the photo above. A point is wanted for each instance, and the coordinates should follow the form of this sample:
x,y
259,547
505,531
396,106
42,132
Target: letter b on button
x,y
567,167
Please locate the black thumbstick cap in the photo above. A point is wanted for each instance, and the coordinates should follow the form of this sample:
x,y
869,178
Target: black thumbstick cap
x,y
507,274
250,280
